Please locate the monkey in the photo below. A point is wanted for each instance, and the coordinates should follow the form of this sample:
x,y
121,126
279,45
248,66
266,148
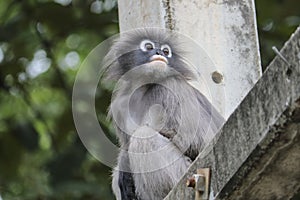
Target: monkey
x,y
162,121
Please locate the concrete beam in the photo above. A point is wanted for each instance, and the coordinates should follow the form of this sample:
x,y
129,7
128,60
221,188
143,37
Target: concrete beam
x,y
256,154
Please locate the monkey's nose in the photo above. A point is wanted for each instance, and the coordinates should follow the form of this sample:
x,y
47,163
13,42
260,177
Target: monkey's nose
x,y
158,52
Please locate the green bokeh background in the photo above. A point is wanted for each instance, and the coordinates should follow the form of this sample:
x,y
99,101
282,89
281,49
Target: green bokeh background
x,y
42,44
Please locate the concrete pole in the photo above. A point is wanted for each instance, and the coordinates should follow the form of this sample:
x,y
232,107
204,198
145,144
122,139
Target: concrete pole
x,y
226,30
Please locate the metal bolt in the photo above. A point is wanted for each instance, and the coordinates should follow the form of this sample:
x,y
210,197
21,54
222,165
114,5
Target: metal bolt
x,y
191,182
197,182
200,183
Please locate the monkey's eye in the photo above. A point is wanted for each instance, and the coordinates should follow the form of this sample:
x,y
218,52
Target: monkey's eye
x,y
146,45
166,50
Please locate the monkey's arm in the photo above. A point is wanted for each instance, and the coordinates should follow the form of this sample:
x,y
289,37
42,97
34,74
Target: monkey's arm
x,y
201,129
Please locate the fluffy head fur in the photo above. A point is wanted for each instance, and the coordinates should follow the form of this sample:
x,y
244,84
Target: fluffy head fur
x,y
126,54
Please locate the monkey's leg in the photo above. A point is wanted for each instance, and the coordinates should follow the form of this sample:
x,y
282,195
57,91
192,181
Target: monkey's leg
x,y
156,164
123,183
115,184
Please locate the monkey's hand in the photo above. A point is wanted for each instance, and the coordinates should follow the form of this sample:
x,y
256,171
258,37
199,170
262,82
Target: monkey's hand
x,y
168,133
156,119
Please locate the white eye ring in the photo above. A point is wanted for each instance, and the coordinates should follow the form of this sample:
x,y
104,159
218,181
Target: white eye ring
x,y
166,50
146,45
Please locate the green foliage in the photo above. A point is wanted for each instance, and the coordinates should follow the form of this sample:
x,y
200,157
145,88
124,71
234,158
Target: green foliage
x,y
42,44
277,20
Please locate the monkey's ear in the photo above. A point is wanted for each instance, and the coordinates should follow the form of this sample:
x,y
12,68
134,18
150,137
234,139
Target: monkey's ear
x,y
111,70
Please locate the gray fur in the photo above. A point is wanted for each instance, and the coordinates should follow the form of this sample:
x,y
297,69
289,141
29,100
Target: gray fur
x,y
161,121
115,185
157,170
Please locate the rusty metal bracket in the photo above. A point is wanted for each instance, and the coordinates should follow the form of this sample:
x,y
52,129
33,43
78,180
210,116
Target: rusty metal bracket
x,y
201,183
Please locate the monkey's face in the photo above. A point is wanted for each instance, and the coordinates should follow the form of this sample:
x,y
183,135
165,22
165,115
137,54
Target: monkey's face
x,y
149,53
152,56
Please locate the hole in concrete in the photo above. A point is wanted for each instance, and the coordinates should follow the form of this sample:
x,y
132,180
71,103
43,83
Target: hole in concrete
x,y
217,77
289,72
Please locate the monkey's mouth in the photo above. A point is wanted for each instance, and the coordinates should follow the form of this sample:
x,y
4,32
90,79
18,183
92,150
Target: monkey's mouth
x,y
158,58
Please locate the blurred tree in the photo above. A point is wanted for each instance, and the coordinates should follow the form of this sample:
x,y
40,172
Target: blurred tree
x,y
277,20
42,44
